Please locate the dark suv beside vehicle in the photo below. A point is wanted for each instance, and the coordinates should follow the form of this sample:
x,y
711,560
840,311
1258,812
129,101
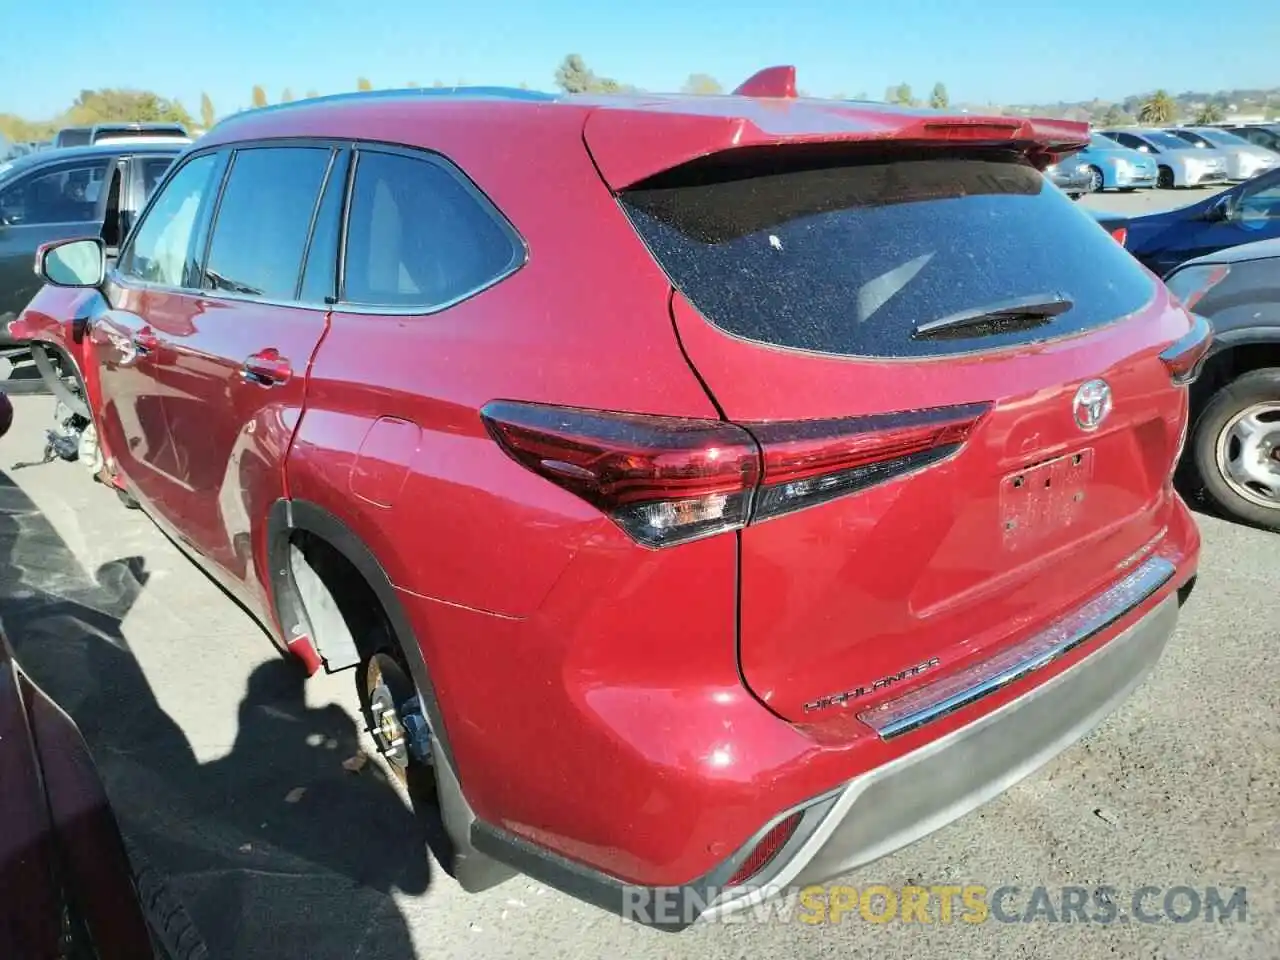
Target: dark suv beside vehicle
x,y
705,500
57,194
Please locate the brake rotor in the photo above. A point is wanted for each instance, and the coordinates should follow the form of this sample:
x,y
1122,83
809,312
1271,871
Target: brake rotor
x,y
394,714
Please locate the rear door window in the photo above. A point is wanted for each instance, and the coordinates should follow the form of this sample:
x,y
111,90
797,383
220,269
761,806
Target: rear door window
x,y
850,260
263,220
420,236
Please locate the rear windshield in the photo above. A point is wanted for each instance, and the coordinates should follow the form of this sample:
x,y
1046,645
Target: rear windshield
x,y
120,133
73,138
851,260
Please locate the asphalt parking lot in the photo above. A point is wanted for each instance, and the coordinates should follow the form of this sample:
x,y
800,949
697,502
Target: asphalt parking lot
x,y
233,777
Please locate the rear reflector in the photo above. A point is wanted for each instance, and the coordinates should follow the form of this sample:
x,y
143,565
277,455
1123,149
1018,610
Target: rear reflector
x,y
764,851
810,462
668,480
1185,356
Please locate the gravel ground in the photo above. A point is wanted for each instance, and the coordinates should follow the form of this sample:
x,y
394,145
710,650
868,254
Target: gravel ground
x,y
228,772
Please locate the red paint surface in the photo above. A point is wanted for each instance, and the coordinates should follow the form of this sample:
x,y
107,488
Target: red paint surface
x,y
590,687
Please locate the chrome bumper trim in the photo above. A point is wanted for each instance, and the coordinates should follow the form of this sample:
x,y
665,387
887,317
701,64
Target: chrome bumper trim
x,y
948,694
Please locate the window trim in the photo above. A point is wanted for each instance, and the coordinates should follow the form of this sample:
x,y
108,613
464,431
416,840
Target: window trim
x,y
336,148
337,154
115,276
519,246
339,146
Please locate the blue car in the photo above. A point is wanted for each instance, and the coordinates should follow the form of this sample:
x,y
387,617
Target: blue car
x,y
1113,167
1247,212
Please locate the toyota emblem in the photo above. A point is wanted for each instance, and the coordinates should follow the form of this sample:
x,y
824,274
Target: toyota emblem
x,y
1092,404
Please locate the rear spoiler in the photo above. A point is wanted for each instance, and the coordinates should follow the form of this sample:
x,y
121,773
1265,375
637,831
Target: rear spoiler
x,y
633,139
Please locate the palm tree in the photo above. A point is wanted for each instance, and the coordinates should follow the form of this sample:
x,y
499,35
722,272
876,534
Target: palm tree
x,y
1159,109
1209,113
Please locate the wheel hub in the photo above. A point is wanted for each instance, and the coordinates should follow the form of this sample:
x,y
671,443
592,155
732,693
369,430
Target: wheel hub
x,y
1248,454
396,720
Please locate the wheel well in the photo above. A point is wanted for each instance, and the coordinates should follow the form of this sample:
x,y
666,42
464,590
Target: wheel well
x,y
347,619
1226,365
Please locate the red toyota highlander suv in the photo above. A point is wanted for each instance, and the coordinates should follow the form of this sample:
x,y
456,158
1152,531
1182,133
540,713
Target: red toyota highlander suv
x,y
712,494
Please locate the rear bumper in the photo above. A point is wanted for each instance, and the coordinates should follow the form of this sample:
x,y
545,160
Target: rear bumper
x,y
891,806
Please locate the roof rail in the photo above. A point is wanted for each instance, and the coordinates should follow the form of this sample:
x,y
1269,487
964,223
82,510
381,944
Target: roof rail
x,y
357,96
769,82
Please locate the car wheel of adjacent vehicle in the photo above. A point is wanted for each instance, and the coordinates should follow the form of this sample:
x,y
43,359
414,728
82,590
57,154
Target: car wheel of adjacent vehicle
x,y
1236,448
1165,179
1096,183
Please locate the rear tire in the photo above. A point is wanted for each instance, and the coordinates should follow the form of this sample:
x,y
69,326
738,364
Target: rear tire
x,y
1235,449
1164,180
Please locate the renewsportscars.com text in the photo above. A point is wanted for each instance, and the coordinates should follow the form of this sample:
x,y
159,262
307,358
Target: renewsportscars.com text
x,y
954,903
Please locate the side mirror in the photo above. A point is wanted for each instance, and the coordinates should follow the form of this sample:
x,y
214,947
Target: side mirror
x,y
72,263
1226,209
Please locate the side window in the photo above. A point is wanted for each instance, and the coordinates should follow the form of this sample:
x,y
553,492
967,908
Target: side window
x,y
153,169
419,236
1261,203
263,219
319,276
66,194
164,248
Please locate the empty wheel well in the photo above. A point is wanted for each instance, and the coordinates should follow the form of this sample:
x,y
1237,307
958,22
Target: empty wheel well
x,y
347,620
1227,365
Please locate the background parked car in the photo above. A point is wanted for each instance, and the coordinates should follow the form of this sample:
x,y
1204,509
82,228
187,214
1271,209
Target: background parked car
x,y
1244,159
1178,163
68,193
1071,177
1263,134
1247,212
1233,449
1115,167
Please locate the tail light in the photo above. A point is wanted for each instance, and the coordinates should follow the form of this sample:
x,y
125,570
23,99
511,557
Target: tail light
x,y
668,480
1185,355
764,851
1121,234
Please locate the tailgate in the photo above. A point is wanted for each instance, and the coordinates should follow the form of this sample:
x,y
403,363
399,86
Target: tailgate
x,y
955,380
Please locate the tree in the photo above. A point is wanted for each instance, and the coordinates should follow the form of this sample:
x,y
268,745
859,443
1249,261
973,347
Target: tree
x,y
312,94
362,83
286,96
412,85
523,85
1209,113
1114,117
938,99
840,96
702,84
108,104
208,116
437,83
574,76
1159,108
864,96
259,97
900,94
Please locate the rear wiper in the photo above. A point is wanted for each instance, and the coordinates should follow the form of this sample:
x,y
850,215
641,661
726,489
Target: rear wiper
x,y
1000,317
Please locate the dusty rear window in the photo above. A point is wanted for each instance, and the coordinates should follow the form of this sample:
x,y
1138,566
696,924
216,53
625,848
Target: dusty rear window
x,y
853,259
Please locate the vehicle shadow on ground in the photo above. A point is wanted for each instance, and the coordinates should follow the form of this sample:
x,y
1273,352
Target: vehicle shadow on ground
x,y
277,849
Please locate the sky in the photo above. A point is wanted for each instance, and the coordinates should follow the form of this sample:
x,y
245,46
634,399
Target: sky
x,y
995,51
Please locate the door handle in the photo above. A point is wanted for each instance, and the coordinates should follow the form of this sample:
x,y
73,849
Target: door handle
x,y
145,341
267,368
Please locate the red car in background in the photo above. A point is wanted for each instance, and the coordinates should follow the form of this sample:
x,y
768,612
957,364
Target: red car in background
x,y
712,494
